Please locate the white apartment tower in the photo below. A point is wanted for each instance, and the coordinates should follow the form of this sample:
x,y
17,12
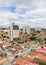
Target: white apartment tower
x,y
26,29
14,29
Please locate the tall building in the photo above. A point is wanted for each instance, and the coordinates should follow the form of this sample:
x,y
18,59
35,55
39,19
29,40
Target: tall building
x,y
26,29
4,29
37,29
14,29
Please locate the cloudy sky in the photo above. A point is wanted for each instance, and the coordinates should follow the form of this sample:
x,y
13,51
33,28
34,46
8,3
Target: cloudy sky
x,y
23,12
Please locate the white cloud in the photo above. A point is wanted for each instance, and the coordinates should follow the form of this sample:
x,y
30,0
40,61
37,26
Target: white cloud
x,y
35,12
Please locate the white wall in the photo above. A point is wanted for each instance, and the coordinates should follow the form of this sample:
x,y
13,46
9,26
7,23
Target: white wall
x,y
27,29
15,33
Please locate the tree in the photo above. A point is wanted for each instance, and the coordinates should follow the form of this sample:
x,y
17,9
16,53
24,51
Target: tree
x,y
42,63
16,56
45,39
38,31
33,37
1,54
5,54
20,42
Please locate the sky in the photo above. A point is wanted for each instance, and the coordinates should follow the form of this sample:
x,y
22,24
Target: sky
x,y
23,12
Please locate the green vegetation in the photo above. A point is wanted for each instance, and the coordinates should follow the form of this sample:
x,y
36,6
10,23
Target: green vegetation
x,y
6,32
8,37
1,54
33,37
31,49
13,43
38,31
25,40
16,56
45,39
5,54
20,42
45,42
4,36
42,63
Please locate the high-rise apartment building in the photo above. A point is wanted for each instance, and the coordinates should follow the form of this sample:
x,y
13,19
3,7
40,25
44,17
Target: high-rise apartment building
x,y
26,29
14,29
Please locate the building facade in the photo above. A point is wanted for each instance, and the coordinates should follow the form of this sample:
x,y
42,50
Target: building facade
x,y
14,32
26,29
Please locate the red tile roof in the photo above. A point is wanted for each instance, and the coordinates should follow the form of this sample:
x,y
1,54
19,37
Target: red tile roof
x,y
39,54
44,45
26,60
29,42
19,61
42,56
